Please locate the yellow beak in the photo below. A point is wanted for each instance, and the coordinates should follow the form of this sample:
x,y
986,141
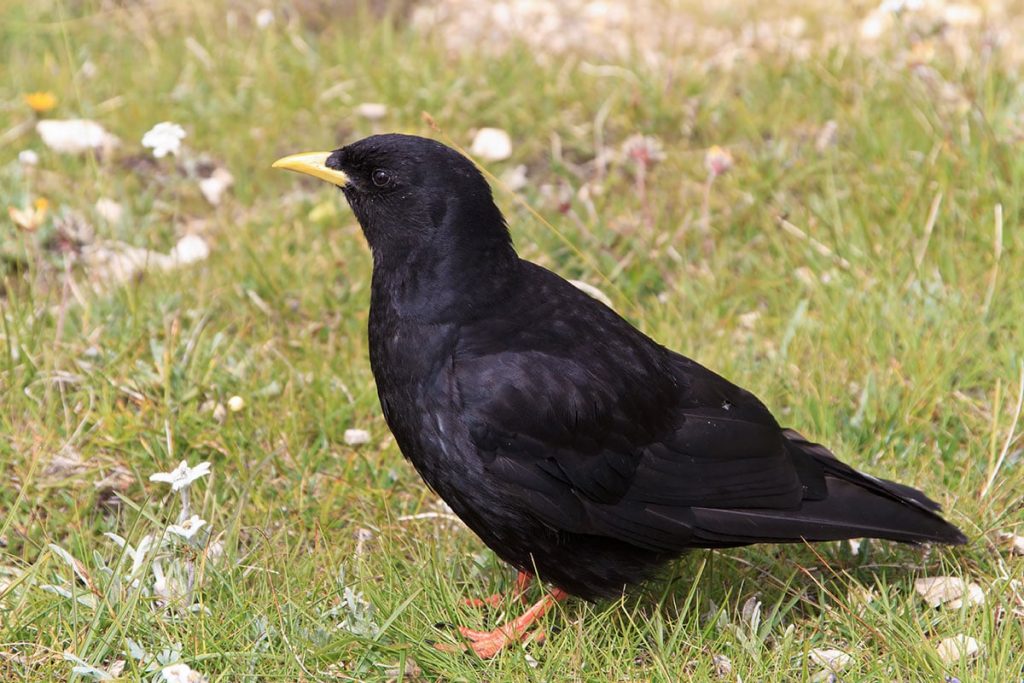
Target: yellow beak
x,y
314,164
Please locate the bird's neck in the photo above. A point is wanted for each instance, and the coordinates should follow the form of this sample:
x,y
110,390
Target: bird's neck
x,y
434,284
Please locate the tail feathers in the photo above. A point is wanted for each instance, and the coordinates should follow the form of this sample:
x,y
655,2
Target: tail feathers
x,y
849,511
854,505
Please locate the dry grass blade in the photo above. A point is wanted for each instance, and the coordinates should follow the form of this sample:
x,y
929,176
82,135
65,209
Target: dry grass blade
x,y
997,249
1010,437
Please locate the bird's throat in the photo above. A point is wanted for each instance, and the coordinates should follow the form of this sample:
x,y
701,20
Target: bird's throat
x,y
447,287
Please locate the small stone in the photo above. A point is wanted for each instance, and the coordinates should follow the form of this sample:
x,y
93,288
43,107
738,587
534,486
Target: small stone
x,y
109,210
956,648
74,136
357,437
372,111
190,249
951,591
975,596
491,144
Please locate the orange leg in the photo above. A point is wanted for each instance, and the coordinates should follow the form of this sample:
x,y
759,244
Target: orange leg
x,y
486,644
522,583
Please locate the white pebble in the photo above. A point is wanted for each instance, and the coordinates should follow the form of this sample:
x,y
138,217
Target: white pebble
x,y
372,111
74,136
956,648
109,210
491,144
190,249
356,437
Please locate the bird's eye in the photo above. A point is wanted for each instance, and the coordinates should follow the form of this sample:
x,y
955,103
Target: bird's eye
x,y
381,178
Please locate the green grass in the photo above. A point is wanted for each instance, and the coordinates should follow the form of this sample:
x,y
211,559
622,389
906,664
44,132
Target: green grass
x,y
899,347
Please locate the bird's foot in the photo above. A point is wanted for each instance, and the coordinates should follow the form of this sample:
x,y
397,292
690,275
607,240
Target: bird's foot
x,y
518,594
487,644
490,601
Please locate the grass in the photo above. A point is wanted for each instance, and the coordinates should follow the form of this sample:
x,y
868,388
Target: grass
x,y
869,290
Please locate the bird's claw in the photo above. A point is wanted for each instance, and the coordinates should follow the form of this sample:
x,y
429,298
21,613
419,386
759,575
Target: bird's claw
x,y
489,601
487,644
518,594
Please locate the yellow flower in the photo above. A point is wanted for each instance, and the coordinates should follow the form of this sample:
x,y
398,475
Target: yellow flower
x,y
29,218
40,102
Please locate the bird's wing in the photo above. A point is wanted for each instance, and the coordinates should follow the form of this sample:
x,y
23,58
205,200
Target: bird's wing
x,y
613,435
599,430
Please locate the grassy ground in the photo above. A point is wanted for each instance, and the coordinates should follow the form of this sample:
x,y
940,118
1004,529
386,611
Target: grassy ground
x,y
862,276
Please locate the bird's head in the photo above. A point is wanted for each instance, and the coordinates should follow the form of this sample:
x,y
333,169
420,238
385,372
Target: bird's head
x,y
411,195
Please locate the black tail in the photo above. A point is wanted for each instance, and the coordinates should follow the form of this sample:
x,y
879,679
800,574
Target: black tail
x,y
850,505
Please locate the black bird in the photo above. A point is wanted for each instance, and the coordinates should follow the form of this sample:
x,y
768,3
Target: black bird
x,y
572,444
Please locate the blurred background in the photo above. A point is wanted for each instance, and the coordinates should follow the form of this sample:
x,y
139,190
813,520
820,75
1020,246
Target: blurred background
x,y
819,200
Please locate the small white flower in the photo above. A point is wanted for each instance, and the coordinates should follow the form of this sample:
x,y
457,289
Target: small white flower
x,y
182,476
164,138
264,18
492,144
188,528
28,157
180,673
356,437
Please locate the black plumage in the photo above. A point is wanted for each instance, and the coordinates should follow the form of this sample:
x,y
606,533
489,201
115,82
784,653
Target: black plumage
x,y
569,441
